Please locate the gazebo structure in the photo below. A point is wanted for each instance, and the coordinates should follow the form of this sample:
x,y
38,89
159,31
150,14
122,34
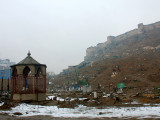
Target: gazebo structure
x,y
28,80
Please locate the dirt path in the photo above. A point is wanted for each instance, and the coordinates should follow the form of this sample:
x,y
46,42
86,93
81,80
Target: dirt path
x,y
8,117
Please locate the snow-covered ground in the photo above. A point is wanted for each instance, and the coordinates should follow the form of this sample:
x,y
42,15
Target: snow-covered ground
x,y
61,99
83,111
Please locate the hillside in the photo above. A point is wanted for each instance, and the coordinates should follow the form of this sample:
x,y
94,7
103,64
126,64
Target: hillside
x,y
126,44
137,54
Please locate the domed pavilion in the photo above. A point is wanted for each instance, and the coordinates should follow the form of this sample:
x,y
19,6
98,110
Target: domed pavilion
x,y
28,80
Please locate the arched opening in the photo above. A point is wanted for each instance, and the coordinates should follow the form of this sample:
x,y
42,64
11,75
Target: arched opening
x,y
39,81
14,74
14,80
26,73
39,72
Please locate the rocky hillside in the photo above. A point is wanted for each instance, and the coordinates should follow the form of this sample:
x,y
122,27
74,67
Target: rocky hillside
x,y
136,53
126,44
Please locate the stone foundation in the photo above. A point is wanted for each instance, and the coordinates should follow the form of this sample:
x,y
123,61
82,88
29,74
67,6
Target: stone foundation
x,y
30,97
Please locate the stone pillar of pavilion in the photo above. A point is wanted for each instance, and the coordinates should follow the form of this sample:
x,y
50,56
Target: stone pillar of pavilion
x,y
28,80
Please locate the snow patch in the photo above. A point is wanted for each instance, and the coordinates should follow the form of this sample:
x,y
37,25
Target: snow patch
x,y
84,111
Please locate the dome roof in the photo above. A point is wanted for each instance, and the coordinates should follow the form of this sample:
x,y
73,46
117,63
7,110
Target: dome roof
x,y
28,60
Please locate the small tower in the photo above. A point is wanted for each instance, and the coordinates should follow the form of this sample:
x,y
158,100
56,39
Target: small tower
x,y
28,80
140,28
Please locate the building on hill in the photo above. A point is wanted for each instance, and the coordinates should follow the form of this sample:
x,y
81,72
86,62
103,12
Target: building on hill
x,y
5,64
28,80
5,77
108,48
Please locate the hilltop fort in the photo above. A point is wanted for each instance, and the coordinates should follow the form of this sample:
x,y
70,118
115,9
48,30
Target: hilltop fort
x,y
102,50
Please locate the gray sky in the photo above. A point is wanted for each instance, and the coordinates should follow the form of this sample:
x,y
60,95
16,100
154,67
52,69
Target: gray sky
x,y
58,32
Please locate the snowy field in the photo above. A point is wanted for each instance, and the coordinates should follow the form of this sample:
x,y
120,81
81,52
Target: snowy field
x,y
83,111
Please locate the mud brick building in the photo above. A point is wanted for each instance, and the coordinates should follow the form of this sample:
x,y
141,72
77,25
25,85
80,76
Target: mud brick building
x,y
28,80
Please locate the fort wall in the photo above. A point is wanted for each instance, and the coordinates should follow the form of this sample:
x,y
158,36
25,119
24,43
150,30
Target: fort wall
x,y
142,29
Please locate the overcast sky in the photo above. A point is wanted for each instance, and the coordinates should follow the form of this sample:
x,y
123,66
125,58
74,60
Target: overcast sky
x,y
58,32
